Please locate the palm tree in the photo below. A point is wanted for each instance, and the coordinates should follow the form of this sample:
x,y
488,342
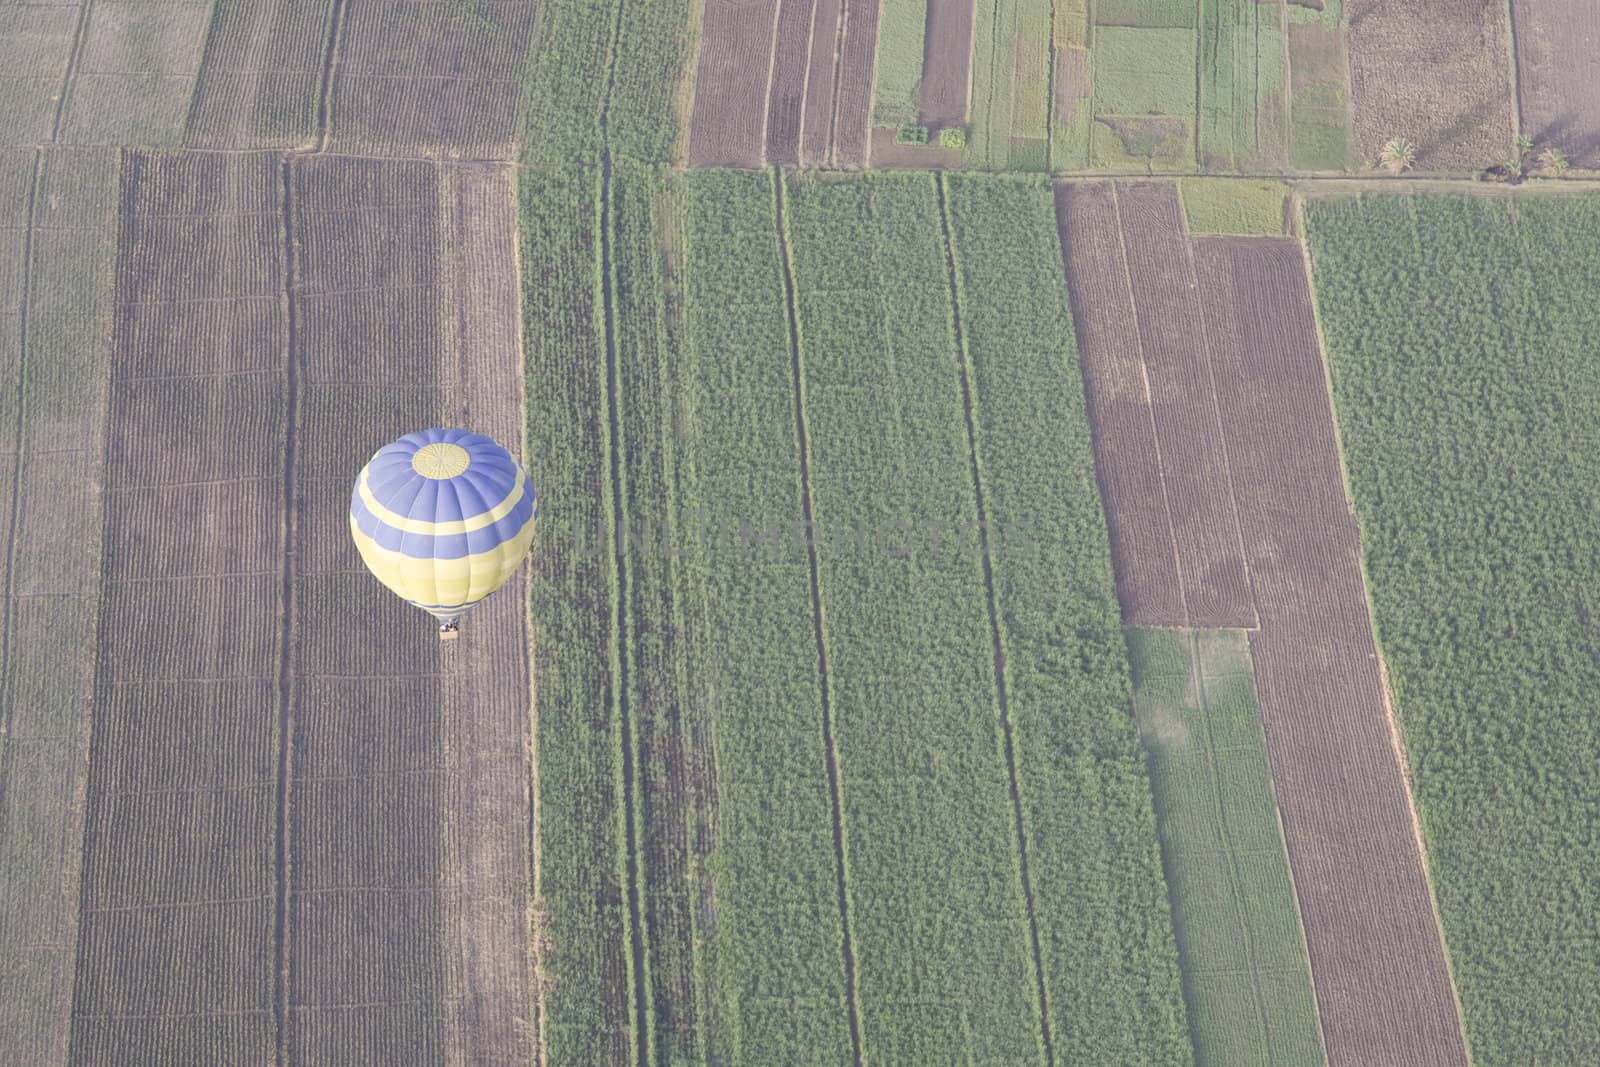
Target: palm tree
x,y
1398,154
1523,143
1553,161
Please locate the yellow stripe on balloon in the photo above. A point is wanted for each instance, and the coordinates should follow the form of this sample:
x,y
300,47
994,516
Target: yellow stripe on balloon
x,y
437,529
444,582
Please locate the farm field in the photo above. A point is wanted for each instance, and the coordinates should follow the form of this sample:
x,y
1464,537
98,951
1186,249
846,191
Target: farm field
x,y
1464,383
1246,979
1252,360
783,82
1558,77
1436,72
948,634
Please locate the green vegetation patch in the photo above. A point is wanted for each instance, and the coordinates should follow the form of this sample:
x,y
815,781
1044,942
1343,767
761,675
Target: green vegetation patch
x,y
1161,143
1143,72
1460,337
1150,14
1104,925
898,74
1246,978
1234,206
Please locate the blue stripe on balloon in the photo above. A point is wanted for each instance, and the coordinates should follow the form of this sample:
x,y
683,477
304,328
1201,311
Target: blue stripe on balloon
x,y
444,546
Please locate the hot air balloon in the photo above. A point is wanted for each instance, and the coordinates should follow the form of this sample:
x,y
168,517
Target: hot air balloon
x,y
443,517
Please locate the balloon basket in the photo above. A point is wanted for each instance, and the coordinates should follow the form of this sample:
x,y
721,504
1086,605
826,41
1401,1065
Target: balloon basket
x,y
449,635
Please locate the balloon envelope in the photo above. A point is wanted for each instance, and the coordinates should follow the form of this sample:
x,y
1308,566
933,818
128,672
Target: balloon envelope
x,y
442,517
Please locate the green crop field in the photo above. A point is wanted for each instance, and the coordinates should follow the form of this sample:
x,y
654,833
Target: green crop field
x,y
898,72
1245,974
1460,336
1234,207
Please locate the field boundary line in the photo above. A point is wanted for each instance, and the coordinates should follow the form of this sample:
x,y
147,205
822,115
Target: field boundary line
x,y
1149,406
19,438
805,78
830,748
1216,404
766,90
74,55
535,918
840,35
1513,69
1391,718
285,724
996,629
330,67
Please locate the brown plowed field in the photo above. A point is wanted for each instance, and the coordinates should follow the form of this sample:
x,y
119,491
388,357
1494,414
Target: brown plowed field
x,y
1239,311
182,794
410,775
946,91
430,79
1436,72
857,57
786,101
1558,75
727,127
1143,330
1127,461
1177,364
291,778
783,81
1382,983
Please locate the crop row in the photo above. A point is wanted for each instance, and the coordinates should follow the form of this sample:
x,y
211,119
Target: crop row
x,y
1460,339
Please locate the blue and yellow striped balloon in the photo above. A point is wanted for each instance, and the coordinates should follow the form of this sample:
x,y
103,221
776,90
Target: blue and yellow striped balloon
x,y
443,517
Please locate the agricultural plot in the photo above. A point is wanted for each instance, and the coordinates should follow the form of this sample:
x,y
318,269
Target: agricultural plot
x,y
911,668
132,73
1244,106
783,992
37,47
784,82
1103,929
1140,227
1246,980
407,833
182,779
1558,76
261,75
1436,72
57,238
1464,380
1320,128
430,79
1377,961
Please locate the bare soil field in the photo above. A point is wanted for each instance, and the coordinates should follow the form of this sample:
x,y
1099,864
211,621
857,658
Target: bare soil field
x,y
1229,323
1168,381
783,82
382,710
261,75
1436,72
1558,75
182,797
333,804
57,209
1127,457
430,78
946,91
